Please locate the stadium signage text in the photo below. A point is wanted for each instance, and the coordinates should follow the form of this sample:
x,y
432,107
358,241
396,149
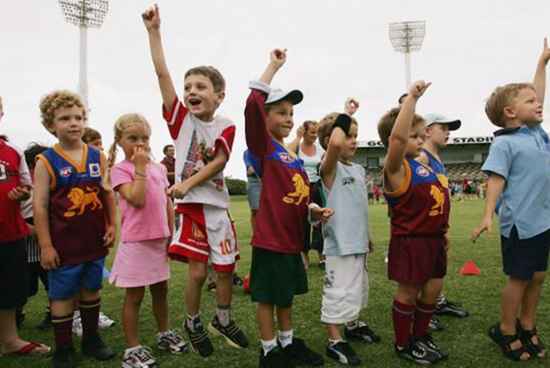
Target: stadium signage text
x,y
456,140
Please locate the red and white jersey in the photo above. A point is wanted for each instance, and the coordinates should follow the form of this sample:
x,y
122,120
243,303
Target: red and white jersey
x,y
197,142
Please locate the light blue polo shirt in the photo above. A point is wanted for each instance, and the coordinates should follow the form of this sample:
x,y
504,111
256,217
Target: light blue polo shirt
x,y
522,157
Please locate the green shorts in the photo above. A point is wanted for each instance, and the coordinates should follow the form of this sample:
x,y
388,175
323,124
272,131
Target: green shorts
x,y
276,277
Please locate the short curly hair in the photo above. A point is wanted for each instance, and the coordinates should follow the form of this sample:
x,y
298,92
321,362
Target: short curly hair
x,y
55,100
211,73
325,127
387,121
501,98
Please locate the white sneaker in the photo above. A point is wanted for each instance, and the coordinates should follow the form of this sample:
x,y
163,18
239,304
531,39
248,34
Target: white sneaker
x,y
104,321
172,342
77,324
138,357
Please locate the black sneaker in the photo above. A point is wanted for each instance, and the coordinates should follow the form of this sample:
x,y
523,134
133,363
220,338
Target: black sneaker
x,y
343,353
199,339
46,322
361,333
276,358
232,333
428,343
94,347
417,353
237,281
300,354
63,357
436,324
445,307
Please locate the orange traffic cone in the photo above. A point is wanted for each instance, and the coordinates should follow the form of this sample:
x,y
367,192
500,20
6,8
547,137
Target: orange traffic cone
x,y
469,269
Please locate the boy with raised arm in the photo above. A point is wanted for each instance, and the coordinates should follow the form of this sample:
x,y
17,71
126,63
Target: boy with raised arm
x,y
203,144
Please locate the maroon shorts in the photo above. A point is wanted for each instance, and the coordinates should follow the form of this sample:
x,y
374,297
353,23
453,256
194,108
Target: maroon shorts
x,y
415,260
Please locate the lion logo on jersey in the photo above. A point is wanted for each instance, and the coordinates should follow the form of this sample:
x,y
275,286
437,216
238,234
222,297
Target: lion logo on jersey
x,y
439,197
443,180
301,191
81,199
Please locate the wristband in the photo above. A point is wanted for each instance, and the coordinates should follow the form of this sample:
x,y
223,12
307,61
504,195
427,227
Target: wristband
x,y
343,121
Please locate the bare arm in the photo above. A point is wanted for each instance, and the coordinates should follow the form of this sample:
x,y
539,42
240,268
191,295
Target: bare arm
x,y
151,19
495,187
170,213
277,60
330,161
294,145
108,200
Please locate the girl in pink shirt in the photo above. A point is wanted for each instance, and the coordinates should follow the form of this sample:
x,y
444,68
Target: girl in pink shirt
x,y
146,224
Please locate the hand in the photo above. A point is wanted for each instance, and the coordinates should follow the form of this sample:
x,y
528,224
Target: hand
x,y
179,190
278,57
418,88
140,158
486,225
300,132
321,214
545,56
151,18
19,193
351,106
49,259
447,242
109,237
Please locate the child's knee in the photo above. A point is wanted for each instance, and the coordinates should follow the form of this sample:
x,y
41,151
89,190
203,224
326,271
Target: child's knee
x,y
224,276
197,272
135,295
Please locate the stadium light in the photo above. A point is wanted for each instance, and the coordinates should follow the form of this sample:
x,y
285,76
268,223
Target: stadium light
x,y
84,14
407,37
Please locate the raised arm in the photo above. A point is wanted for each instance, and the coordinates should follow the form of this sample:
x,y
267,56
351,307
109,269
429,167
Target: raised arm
x,y
540,74
294,145
277,60
151,19
336,143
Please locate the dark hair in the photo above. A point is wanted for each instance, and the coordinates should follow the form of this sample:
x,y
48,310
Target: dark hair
x,y
218,82
402,97
166,148
90,134
33,150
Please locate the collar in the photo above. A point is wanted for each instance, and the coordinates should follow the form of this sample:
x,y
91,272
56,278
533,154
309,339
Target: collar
x,y
506,131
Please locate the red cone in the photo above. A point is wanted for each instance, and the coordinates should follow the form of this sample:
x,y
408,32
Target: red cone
x,y
469,269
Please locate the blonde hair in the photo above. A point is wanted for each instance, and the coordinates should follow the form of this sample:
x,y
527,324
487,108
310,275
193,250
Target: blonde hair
x,y
325,127
387,121
502,97
55,100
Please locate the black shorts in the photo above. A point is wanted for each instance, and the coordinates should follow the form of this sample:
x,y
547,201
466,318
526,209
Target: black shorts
x,y
521,258
13,274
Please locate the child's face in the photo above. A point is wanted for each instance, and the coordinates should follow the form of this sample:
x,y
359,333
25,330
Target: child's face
x,y
416,139
135,136
97,143
68,124
438,134
351,143
200,98
279,120
525,108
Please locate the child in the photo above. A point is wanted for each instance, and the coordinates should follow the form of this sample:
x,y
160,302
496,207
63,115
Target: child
x,y
419,212
346,239
93,138
15,183
74,220
277,270
203,144
147,221
519,189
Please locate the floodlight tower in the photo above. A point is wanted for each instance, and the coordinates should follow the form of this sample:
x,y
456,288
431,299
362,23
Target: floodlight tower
x,y
84,14
407,37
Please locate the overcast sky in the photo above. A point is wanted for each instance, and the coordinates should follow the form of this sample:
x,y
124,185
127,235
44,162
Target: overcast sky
x,y
336,49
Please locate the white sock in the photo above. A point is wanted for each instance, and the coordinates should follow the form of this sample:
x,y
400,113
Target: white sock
x,y
285,338
268,345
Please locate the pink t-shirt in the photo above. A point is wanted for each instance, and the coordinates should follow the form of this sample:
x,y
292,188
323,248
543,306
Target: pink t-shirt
x,y
151,221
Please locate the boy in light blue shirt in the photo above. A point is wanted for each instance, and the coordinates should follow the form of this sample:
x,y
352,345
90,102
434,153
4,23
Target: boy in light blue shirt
x,y
518,189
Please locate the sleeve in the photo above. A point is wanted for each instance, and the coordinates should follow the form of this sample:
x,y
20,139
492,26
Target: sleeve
x,y
225,140
164,173
175,117
257,137
499,160
24,173
120,175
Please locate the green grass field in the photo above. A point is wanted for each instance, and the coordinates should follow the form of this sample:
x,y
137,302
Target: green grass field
x,y
465,339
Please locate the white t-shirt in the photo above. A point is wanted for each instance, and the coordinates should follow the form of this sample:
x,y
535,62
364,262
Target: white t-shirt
x,y
311,162
197,142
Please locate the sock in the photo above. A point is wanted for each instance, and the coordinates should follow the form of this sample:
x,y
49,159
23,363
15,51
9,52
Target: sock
x,y
352,325
441,299
192,321
402,315
268,345
223,312
63,330
89,315
422,317
285,338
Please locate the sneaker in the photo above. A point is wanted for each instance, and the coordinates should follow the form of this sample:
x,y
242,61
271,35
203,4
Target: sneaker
x,y
361,333
95,347
139,357
46,322
445,307
199,339
428,343
343,353
77,324
417,353
237,281
211,286
232,333
276,358
64,357
300,354
104,321
172,342
436,324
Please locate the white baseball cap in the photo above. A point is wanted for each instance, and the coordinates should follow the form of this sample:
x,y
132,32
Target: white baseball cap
x,y
295,96
433,118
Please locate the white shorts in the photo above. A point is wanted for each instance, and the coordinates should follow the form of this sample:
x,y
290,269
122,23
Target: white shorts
x,y
346,288
206,234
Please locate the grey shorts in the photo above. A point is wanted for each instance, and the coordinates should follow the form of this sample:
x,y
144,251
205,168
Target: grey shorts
x,y
253,190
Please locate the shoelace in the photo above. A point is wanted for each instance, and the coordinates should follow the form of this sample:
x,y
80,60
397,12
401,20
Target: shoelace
x,y
172,338
144,355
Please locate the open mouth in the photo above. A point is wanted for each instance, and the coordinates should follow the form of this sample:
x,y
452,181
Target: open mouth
x,y
194,101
